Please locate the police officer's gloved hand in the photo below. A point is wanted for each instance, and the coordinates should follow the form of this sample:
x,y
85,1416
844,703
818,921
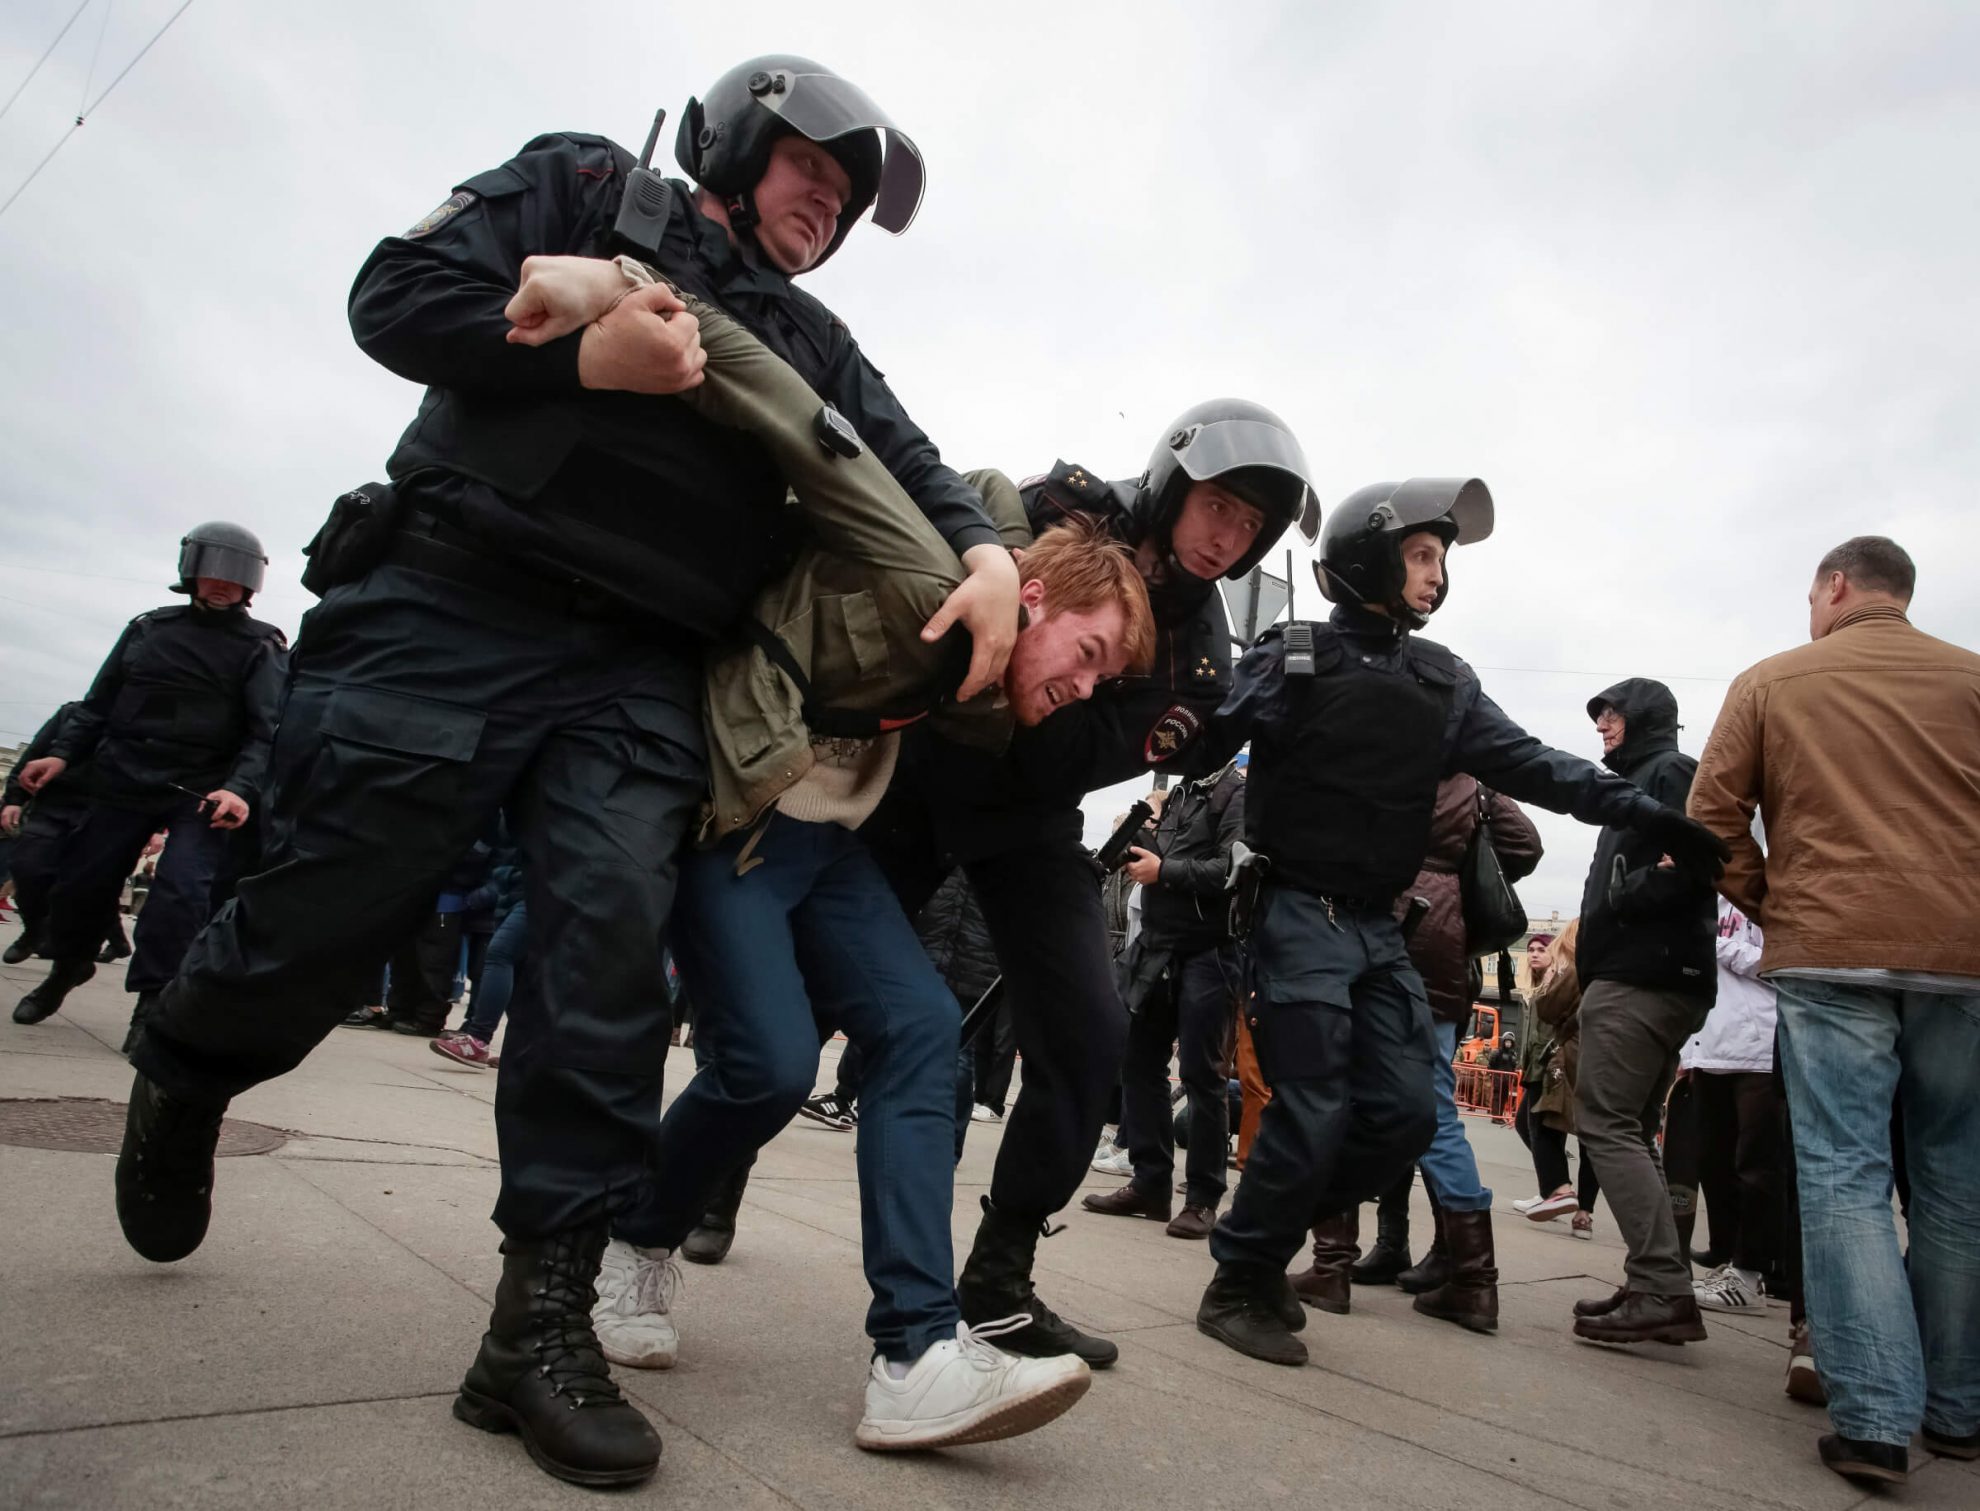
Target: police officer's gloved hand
x,y
1694,847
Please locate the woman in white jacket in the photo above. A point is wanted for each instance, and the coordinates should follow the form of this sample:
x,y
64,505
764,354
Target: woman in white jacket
x,y
1740,1119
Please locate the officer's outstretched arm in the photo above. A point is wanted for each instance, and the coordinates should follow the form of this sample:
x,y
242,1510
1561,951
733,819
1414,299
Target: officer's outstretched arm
x,y
1491,747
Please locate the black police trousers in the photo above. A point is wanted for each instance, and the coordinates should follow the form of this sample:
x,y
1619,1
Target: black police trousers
x,y
1041,902
36,859
419,705
1189,1009
97,857
1345,1040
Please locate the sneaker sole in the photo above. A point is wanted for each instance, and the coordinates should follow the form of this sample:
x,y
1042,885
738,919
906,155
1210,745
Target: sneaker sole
x,y
446,1052
1002,1419
1547,1213
820,1120
1855,1469
1805,1385
492,1416
664,1360
1596,1330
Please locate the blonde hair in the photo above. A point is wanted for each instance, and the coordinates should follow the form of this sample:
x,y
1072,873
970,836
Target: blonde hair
x,y
1083,570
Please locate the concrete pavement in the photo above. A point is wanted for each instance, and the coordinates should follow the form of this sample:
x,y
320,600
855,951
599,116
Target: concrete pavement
x,y
306,1356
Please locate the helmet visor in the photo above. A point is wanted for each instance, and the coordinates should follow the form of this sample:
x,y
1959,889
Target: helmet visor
x,y
825,107
1221,446
1466,501
225,563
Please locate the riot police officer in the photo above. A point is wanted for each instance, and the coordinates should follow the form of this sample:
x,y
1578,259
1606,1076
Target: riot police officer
x,y
519,624
1352,724
43,825
176,729
1222,484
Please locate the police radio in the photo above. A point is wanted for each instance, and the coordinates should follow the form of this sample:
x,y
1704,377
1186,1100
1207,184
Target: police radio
x,y
648,201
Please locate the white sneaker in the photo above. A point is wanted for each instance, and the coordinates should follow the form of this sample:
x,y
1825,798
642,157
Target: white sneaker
x,y
633,1316
968,1392
1727,1290
1119,1162
982,1114
1547,1208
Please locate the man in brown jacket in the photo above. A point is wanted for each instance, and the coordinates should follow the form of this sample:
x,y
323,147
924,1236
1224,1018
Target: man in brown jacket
x,y
1861,752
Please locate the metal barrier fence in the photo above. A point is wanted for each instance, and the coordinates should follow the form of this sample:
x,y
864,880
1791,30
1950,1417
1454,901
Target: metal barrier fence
x,y
1486,1093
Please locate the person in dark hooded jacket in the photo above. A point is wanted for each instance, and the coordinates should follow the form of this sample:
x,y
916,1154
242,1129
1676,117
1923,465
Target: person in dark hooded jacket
x,y
1648,978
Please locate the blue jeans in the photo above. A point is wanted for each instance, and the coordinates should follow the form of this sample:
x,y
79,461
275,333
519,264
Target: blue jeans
x,y
1448,1164
506,948
809,938
1897,1339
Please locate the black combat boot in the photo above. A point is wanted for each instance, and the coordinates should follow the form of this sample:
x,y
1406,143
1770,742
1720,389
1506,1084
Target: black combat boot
x,y
996,1283
1241,1310
1433,1269
540,1374
24,944
145,1002
46,999
710,1240
165,1171
1390,1256
1336,1242
1470,1297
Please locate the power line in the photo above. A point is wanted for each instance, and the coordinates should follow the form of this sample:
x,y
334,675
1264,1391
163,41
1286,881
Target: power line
x,y
90,109
95,53
44,57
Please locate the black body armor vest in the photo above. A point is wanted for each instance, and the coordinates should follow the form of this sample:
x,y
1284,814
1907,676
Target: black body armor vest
x,y
179,715
1341,799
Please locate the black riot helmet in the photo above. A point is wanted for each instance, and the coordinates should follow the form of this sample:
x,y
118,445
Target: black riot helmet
x,y
724,141
227,552
1248,450
1361,548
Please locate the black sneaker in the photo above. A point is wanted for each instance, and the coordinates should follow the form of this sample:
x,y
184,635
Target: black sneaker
x,y
1242,1311
1869,1463
829,1111
165,1172
1946,1446
1048,1336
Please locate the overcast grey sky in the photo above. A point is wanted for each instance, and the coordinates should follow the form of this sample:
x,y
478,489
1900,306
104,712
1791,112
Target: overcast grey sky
x,y
1691,286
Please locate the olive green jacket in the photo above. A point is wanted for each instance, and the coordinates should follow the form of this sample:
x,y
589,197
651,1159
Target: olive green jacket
x,y
849,614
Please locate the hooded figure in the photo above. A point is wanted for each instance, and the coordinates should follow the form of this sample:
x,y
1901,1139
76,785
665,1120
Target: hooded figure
x,y
1642,923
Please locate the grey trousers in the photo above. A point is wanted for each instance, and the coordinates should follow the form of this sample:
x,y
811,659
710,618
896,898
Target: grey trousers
x,y
1630,1037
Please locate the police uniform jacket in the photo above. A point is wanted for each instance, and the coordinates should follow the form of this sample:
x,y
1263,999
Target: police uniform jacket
x,y
1345,762
187,699
632,494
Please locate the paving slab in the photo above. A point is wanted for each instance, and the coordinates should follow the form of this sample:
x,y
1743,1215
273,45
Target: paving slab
x,y
306,1356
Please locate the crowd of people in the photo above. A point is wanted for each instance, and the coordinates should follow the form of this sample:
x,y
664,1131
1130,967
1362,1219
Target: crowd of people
x,y
672,632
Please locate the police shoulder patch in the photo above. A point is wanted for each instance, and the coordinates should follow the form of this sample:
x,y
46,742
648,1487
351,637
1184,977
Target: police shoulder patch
x,y
440,214
1175,729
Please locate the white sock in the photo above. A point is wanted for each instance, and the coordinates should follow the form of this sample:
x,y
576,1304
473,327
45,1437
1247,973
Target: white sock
x,y
897,1370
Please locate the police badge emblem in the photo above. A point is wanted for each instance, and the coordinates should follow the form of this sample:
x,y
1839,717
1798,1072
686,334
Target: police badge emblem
x,y
1171,732
440,214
